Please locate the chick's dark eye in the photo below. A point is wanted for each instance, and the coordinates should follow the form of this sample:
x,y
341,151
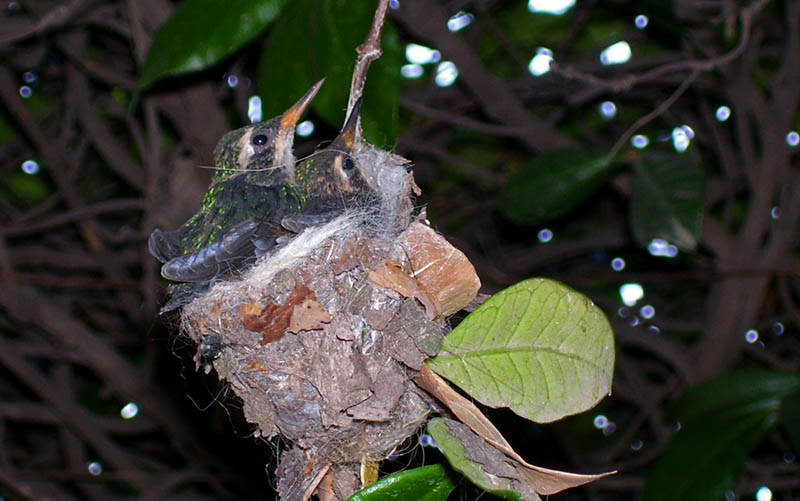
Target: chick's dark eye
x,y
260,139
348,164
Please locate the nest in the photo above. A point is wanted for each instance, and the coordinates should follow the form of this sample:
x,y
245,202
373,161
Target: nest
x,y
319,338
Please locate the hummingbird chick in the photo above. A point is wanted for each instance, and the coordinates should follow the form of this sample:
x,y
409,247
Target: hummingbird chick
x,y
251,190
332,180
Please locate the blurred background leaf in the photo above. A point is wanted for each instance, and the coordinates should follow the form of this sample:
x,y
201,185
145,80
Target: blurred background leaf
x,y
553,184
667,200
203,32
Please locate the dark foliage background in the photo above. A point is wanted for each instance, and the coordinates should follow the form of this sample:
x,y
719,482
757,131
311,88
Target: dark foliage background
x,y
79,336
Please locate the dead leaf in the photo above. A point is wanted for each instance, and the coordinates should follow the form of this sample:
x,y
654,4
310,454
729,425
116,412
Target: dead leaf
x,y
256,366
440,269
390,274
544,480
273,320
308,316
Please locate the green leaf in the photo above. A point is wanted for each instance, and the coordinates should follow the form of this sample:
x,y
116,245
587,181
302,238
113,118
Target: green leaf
x,y
203,32
318,39
553,184
721,422
459,457
538,347
667,200
428,483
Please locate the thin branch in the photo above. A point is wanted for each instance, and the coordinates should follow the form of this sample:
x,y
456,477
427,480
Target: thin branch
x,y
642,121
368,51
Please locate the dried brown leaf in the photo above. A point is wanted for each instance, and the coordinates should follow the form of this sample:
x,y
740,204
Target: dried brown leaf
x,y
308,315
273,320
440,269
544,480
391,275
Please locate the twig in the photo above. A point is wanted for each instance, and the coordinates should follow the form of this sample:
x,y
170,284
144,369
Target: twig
x,y
58,16
642,121
368,51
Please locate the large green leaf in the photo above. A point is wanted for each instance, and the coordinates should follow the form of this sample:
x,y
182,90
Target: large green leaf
x,y
667,200
483,465
202,32
318,39
552,184
428,483
721,422
538,347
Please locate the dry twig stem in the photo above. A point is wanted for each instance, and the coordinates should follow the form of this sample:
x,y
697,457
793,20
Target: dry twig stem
x,y
368,51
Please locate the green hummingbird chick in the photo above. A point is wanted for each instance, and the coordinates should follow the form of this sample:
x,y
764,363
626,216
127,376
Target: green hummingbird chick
x,y
251,189
332,180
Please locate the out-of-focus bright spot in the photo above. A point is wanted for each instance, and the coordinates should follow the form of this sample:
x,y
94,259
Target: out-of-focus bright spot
x,y
254,109
677,426
653,329
617,264
446,74
730,495
459,21
419,54
640,141
394,4
600,421
540,63
556,7
608,110
412,70
25,92
789,457
29,77
647,311
12,6
680,140
777,328
623,312
688,131
610,428
232,81
427,440
544,235
792,138
636,445
751,336
634,321
305,128
129,410
641,21
30,167
94,468
630,293
775,212
661,248
763,494
723,113
617,53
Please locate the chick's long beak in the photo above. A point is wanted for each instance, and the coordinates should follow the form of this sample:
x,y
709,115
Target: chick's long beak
x,y
292,115
348,134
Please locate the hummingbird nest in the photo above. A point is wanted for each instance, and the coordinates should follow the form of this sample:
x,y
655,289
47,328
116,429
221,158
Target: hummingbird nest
x,y
319,337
